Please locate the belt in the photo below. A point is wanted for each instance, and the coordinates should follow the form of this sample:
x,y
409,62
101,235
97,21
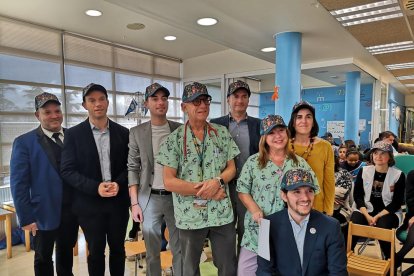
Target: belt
x,y
160,192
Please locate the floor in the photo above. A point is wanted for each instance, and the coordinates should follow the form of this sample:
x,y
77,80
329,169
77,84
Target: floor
x,y
22,262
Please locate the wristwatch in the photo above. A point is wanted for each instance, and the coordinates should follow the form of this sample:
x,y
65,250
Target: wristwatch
x,y
221,181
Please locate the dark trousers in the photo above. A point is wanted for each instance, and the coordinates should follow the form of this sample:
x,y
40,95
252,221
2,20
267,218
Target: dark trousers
x,y
222,246
65,237
388,221
109,226
344,224
239,211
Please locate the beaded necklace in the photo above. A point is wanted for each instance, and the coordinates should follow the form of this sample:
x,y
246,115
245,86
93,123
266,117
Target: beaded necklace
x,y
307,153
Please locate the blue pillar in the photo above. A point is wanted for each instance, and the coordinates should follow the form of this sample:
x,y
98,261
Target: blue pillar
x,y
288,71
352,99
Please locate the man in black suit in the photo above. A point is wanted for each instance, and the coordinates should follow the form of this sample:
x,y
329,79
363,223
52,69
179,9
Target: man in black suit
x,y
245,131
94,162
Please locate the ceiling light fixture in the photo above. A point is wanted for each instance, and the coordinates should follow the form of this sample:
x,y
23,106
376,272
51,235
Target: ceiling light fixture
x,y
268,49
170,37
207,21
93,13
377,11
397,66
136,26
409,77
391,47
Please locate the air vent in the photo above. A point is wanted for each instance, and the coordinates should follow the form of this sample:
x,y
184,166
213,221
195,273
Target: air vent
x,y
409,5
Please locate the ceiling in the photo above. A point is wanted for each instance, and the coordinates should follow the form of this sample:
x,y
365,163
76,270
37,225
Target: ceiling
x,y
246,26
381,35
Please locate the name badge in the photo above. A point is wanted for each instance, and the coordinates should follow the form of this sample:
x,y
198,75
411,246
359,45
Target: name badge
x,y
200,203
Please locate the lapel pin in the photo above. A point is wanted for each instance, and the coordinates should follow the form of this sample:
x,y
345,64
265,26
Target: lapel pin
x,y
312,230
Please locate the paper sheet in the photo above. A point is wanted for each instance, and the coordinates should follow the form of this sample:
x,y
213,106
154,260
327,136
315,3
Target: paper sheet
x,y
263,250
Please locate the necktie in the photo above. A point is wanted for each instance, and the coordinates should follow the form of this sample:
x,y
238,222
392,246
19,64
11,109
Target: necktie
x,y
57,139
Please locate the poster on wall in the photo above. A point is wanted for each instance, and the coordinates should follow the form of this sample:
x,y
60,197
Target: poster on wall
x,y
337,128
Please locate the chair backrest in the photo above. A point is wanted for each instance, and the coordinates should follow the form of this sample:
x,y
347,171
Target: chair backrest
x,y
404,162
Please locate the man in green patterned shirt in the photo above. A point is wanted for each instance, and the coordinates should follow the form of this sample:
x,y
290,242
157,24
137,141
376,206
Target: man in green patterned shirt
x,y
198,163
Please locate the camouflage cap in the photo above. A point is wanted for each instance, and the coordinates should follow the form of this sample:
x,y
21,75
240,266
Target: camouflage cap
x,y
153,88
93,87
42,99
296,178
192,91
303,104
270,122
382,146
233,87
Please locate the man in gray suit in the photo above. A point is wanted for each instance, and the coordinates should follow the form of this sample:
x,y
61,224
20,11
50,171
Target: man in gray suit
x,y
151,204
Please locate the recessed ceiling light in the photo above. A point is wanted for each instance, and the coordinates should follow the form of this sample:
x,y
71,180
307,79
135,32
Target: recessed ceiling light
x,y
391,47
207,21
136,26
397,66
93,13
409,77
268,49
170,37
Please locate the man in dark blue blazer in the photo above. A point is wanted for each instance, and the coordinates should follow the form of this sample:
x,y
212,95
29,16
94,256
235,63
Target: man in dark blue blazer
x,y
303,241
94,162
43,203
245,131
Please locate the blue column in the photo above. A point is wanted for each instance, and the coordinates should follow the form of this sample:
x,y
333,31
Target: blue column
x,y
288,71
352,98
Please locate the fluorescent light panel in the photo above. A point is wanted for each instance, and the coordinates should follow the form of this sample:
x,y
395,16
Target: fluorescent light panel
x,y
410,77
397,66
391,47
372,12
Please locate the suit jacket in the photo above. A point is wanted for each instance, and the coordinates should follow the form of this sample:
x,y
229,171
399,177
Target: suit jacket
x,y
253,124
81,169
141,160
323,253
35,182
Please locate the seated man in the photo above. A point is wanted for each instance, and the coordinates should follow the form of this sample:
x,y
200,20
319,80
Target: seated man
x,y
302,241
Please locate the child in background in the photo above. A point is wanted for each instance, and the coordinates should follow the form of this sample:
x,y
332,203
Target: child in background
x,y
353,164
342,153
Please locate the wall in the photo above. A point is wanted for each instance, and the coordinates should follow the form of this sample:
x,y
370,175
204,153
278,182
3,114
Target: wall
x,y
409,100
329,103
395,99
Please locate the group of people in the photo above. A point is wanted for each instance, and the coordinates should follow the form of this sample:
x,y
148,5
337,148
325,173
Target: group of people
x,y
213,180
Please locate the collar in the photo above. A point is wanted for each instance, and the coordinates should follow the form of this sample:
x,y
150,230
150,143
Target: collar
x,y
232,119
93,127
305,220
49,133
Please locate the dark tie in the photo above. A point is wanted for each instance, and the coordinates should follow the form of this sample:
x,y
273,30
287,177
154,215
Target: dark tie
x,y
57,139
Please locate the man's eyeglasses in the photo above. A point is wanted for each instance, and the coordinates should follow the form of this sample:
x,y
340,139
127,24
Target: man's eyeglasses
x,y
206,101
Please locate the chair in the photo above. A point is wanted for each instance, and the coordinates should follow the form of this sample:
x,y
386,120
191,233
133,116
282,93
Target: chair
x,y
364,265
135,248
404,162
166,256
401,235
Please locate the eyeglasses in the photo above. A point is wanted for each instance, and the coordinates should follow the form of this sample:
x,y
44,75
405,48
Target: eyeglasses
x,y
206,101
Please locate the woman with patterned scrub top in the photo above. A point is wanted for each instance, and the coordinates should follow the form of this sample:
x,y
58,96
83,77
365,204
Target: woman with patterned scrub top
x,y
259,185
198,160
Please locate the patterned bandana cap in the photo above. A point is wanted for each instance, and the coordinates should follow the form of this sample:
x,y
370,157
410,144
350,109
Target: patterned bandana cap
x,y
270,122
153,88
42,99
93,87
194,90
303,104
236,86
381,145
296,178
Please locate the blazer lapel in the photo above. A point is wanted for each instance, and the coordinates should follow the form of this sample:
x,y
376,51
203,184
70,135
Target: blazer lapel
x,y
90,144
310,238
147,136
44,143
289,241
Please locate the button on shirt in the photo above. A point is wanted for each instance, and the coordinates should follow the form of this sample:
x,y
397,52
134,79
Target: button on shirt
x,y
219,149
103,147
240,133
299,232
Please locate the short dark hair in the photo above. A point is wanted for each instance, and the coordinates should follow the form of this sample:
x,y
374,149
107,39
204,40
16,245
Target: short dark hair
x,y
314,130
391,161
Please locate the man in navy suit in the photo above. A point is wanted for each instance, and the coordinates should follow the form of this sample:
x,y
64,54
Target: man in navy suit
x,y
303,241
43,203
94,162
245,131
